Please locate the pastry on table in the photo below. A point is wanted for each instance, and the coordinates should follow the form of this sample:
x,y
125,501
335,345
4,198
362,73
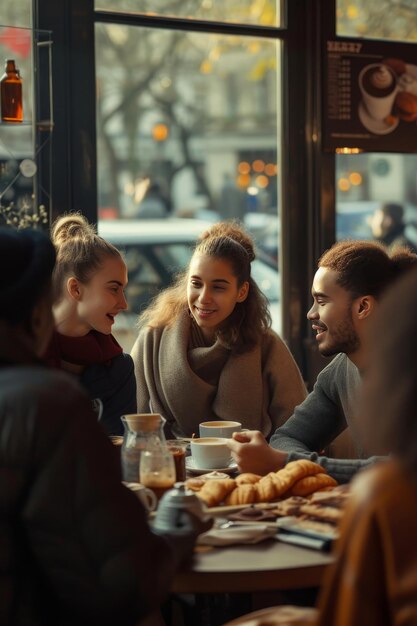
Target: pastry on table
x,y
243,494
327,514
247,478
336,496
289,506
197,482
265,490
303,467
213,492
283,482
309,484
252,514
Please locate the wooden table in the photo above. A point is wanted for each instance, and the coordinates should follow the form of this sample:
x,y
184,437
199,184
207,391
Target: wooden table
x,y
266,566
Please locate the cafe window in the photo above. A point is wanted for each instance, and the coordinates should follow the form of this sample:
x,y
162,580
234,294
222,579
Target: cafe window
x,y
17,13
377,19
258,12
188,128
366,181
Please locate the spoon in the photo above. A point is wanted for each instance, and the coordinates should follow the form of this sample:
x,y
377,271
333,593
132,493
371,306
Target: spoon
x,y
233,523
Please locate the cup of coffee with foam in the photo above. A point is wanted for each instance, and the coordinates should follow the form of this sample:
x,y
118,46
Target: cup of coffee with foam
x,y
378,85
219,428
210,452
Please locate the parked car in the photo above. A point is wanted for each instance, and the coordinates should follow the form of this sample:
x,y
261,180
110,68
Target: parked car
x,y
265,228
155,251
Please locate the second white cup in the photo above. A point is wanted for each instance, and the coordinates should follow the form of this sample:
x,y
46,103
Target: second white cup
x,y
220,428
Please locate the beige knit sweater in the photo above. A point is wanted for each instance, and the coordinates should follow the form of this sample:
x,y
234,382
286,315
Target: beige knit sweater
x,y
189,382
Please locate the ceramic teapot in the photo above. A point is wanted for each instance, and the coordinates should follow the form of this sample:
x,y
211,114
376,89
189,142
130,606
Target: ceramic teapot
x,y
180,511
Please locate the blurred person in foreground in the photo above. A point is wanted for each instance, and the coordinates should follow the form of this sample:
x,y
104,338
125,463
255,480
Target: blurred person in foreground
x,y
373,581
350,279
388,227
76,547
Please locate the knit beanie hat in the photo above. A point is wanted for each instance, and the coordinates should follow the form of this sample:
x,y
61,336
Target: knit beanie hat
x,y
27,259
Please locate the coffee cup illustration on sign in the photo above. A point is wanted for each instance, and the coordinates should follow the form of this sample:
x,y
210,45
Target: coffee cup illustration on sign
x,y
378,85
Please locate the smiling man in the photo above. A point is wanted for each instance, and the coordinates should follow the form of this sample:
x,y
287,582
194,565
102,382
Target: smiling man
x,y
349,281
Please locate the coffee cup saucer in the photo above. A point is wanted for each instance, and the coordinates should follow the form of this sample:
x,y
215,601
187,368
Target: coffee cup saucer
x,y
190,466
378,127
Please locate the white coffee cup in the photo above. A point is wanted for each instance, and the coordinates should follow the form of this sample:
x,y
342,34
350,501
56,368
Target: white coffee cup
x,y
378,105
210,452
219,428
145,495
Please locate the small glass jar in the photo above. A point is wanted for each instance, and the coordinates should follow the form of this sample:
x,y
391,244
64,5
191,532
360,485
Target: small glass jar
x,y
143,431
178,449
157,470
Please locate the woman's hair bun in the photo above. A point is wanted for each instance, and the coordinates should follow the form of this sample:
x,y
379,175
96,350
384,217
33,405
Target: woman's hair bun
x,y
71,226
231,230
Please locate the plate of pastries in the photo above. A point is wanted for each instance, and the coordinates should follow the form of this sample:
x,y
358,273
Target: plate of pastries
x,y
301,497
297,478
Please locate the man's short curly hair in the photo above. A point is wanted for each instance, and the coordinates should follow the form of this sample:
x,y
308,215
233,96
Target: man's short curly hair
x,y
367,267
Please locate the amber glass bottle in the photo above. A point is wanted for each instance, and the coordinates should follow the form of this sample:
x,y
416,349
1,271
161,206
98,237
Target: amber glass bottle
x,y
11,94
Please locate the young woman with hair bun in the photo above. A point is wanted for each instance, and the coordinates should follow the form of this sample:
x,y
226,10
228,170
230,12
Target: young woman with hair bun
x,y
89,281
205,349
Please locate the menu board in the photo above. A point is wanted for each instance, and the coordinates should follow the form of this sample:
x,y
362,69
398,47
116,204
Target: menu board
x,y
370,96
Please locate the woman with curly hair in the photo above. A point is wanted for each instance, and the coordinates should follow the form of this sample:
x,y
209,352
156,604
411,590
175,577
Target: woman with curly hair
x,y
206,350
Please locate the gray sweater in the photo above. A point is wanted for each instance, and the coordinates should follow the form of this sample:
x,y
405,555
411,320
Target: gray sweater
x,y
327,411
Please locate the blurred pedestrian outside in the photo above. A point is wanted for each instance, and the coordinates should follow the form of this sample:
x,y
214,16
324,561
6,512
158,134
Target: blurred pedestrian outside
x,y
388,226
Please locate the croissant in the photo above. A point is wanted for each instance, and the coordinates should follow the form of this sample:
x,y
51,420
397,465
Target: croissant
x,y
283,482
247,479
304,467
323,513
265,490
214,491
195,484
244,494
310,484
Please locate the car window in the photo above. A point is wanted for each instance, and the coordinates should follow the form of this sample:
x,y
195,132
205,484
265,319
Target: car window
x,y
174,256
267,279
353,226
145,281
139,266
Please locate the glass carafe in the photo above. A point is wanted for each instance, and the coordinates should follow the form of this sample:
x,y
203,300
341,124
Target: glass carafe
x,y
143,431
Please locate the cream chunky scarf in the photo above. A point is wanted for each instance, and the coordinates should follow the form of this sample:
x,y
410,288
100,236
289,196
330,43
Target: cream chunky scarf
x,y
189,382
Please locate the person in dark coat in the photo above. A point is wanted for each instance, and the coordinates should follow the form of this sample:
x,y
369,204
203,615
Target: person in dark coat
x,y
75,544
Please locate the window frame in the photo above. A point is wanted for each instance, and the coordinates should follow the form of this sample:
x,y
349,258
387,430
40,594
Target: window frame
x,y
307,177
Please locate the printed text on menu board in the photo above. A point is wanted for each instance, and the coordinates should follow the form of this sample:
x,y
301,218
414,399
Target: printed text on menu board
x,y
370,96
